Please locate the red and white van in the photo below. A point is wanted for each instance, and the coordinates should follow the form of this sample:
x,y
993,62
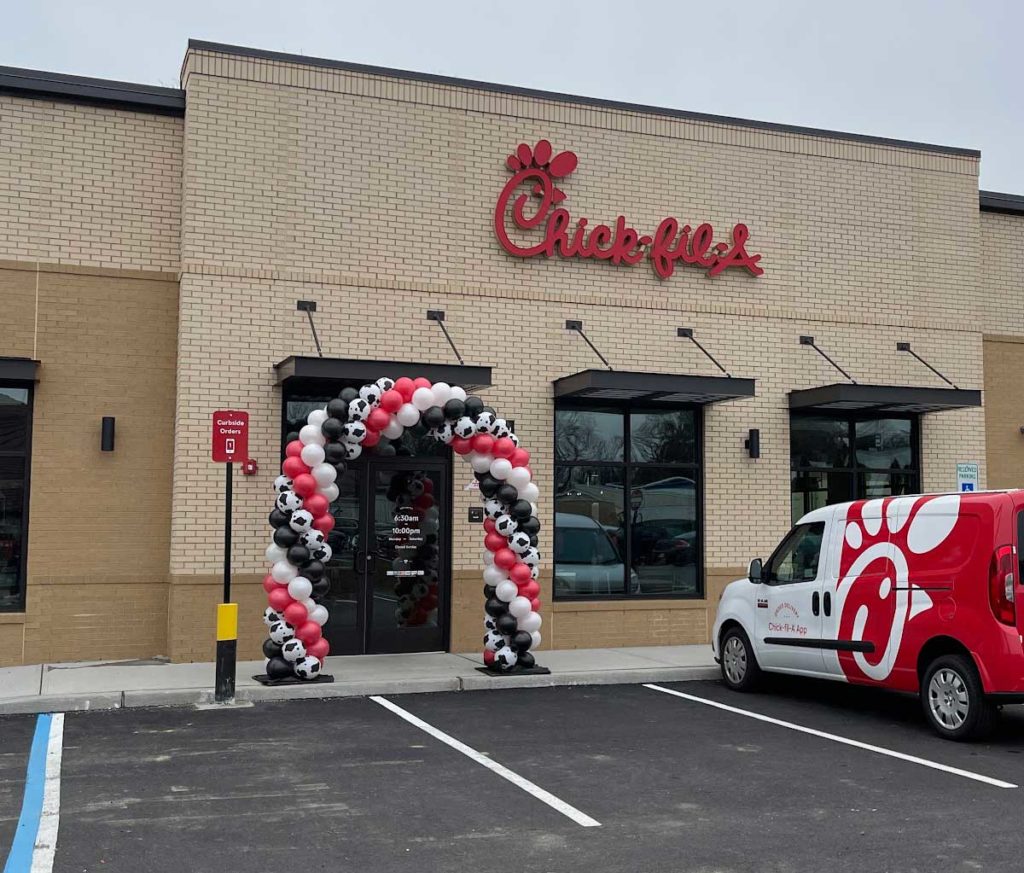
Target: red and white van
x,y
910,593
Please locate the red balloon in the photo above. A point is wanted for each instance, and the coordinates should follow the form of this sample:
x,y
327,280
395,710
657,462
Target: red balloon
x,y
429,602
304,485
324,523
295,614
317,505
503,448
293,467
371,439
530,590
504,558
405,387
293,449
308,632
319,650
391,401
535,604
461,446
378,419
483,443
520,457
520,574
494,542
489,524
279,598
488,657
424,501
420,382
269,584
428,485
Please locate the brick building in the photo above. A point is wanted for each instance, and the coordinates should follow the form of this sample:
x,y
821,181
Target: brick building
x,y
154,243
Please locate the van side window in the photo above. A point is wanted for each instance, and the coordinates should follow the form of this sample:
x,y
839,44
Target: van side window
x,y
1020,546
796,560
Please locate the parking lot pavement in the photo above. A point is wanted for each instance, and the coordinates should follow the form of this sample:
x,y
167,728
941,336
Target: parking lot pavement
x,y
675,785
15,742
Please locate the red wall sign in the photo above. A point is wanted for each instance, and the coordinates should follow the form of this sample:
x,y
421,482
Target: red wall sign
x,y
230,435
535,170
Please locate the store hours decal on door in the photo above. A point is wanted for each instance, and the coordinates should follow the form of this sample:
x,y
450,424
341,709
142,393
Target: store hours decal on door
x,y
369,419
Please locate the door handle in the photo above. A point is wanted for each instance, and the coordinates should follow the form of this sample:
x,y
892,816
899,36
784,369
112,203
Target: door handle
x,y
815,603
828,603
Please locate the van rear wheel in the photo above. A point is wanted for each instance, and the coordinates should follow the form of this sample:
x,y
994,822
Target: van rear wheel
x,y
740,670
954,701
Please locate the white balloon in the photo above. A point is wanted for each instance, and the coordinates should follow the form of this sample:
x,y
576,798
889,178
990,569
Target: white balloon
x,y
442,393
431,514
300,588
310,605
530,622
506,591
408,415
533,508
429,527
324,474
423,399
331,492
536,639
275,553
282,571
500,468
480,463
518,477
311,435
328,552
458,393
530,491
494,575
488,557
312,455
394,428
319,615
520,607
317,417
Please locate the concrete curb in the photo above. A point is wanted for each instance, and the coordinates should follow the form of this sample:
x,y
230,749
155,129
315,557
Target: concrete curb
x,y
473,681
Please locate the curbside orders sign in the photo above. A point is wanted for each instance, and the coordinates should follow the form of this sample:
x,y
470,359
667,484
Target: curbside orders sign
x,y
967,476
230,436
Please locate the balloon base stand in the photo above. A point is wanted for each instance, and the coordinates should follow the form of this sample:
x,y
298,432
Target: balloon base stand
x,y
264,679
515,671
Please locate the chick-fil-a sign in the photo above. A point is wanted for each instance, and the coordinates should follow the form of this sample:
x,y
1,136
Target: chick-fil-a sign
x,y
536,206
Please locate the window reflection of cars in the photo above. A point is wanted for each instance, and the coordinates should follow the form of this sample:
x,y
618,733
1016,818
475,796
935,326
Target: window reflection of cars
x,y
587,558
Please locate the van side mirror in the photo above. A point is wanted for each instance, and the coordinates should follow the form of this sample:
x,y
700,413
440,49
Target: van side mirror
x,y
756,571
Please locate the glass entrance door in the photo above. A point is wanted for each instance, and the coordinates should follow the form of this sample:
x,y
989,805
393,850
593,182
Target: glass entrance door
x,y
389,573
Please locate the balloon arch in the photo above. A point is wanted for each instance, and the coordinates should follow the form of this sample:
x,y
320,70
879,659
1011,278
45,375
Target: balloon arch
x,y
370,418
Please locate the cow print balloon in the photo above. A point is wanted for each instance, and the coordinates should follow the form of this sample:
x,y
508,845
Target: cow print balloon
x,y
485,422
288,501
282,484
281,632
493,641
358,410
493,508
519,543
353,432
371,394
385,384
307,668
270,617
465,427
293,650
506,525
506,657
301,520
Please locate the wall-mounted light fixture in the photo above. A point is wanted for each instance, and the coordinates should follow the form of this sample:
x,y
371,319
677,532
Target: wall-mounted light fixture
x,y
753,443
107,434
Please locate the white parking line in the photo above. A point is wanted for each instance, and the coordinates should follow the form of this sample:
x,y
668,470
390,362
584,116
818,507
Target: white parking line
x,y
956,771
529,787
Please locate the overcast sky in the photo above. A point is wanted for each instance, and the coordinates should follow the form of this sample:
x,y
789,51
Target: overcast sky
x,y
940,71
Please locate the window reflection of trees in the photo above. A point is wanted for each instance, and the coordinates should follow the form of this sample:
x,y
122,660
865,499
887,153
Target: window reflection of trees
x,y
585,435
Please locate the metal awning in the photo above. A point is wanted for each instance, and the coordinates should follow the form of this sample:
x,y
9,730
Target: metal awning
x,y
317,374
651,387
847,397
19,370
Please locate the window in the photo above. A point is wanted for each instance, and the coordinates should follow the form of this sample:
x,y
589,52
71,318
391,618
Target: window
x,y
835,459
796,559
1020,547
626,502
15,437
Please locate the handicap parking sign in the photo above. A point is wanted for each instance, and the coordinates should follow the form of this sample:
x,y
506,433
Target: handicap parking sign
x,y
967,477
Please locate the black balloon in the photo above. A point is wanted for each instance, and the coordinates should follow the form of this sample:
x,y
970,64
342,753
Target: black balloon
x,y
321,588
454,409
521,509
331,428
349,394
341,467
474,406
489,409
507,494
521,641
489,485
278,519
279,668
314,571
271,649
530,525
534,539
291,436
507,623
526,660
495,608
298,555
489,592
385,449
338,409
285,537
334,453
433,417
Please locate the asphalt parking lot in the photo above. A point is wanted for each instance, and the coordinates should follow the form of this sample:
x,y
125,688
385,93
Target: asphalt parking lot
x,y
671,784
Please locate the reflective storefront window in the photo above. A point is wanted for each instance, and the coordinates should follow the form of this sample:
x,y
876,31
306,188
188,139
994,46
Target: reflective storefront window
x,y
15,423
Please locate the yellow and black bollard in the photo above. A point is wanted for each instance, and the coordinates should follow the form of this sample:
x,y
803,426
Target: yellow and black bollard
x,y
227,651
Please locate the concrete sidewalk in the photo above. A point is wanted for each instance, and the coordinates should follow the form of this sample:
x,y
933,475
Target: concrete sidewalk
x,y
112,685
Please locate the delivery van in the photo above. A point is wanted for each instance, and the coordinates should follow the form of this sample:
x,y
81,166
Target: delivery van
x,y
915,594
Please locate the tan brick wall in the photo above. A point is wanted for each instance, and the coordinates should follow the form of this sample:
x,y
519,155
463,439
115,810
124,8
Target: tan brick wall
x,y
89,185
375,199
1004,411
